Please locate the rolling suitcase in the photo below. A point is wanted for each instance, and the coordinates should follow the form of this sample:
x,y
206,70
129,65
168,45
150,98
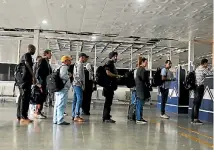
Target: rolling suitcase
x,y
132,106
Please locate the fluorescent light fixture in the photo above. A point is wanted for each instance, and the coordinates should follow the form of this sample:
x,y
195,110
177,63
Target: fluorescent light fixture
x,y
140,0
44,21
93,37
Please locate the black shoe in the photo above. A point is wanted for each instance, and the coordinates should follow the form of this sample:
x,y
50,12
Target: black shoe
x,y
42,114
197,122
109,121
65,114
64,123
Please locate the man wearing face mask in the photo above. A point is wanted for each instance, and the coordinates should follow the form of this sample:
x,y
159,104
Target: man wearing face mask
x,y
108,92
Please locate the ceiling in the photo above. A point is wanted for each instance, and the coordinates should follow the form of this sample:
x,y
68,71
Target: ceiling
x,y
107,25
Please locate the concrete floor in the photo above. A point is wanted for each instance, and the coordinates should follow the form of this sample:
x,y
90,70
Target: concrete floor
x,y
158,134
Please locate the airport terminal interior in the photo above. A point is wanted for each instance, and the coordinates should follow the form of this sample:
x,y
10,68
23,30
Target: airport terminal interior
x,y
159,30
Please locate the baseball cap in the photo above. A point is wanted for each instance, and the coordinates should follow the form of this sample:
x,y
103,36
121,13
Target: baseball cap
x,y
83,55
64,58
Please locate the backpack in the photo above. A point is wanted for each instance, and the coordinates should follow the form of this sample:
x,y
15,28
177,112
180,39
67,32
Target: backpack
x,y
157,78
190,81
54,82
101,77
129,79
20,73
35,95
70,70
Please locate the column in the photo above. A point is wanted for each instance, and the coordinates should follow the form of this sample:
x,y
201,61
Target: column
x,y
190,55
95,59
19,49
131,58
150,62
77,53
36,42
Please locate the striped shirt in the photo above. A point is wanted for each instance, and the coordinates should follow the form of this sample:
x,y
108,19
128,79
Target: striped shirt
x,y
201,74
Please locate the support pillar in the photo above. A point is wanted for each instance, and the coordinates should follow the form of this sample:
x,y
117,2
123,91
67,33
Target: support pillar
x,y
131,66
77,53
191,56
19,49
36,42
95,59
150,62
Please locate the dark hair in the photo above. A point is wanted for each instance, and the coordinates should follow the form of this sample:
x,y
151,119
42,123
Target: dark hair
x,y
31,47
112,54
38,57
140,60
168,61
47,51
203,61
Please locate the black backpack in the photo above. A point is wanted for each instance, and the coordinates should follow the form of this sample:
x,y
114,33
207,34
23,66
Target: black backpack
x,y
190,81
20,74
71,70
157,79
129,79
101,77
54,82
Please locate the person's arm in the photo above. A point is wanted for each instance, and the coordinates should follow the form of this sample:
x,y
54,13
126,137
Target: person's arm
x,y
109,73
164,75
27,63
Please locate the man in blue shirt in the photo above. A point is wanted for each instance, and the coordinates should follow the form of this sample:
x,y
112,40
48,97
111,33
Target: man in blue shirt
x,y
167,77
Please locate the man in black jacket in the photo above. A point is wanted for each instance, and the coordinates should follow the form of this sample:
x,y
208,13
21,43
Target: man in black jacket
x,y
43,70
108,92
25,89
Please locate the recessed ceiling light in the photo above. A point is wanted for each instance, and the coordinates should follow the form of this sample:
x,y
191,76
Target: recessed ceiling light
x,y
93,37
44,21
140,0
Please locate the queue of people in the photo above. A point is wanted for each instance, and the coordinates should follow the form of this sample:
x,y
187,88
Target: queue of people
x,y
82,81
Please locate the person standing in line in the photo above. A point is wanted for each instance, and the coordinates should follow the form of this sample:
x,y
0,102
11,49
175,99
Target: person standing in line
x,y
25,89
62,95
167,77
78,86
142,89
108,92
87,93
200,73
44,69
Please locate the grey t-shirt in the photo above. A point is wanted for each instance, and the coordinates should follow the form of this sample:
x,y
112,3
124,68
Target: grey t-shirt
x,y
168,74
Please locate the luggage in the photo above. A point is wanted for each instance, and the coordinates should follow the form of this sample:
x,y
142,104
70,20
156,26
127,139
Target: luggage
x,y
157,78
132,106
190,81
101,77
54,82
20,74
129,79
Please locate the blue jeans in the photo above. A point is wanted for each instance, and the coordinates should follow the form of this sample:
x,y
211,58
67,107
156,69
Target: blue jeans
x,y
139,109
59,107
77,102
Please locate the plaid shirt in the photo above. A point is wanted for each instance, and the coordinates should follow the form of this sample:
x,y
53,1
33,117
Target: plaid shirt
x,y
201,74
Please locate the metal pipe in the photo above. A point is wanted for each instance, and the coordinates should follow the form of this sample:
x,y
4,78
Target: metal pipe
x,y
131,58
19,49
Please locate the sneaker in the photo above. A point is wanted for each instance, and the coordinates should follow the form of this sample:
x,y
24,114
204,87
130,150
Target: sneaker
x,y
25,121
109,121
42,114
164,116
78,119
64,123
65,114
142,121
39,116
197,122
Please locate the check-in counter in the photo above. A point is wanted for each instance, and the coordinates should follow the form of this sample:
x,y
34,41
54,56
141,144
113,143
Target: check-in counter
x,y
206,109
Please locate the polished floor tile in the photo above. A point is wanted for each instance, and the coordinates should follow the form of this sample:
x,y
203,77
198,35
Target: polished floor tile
x,y
158,134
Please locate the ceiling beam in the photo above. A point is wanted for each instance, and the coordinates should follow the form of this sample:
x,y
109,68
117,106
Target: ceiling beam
x,y
105,48
93,47
82,46
104,59
117,47
127,49
138,49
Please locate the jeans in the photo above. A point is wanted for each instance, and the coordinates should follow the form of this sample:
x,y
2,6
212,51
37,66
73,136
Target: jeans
x,y
139,109
23,102
77,102
59,107
164,97
108,94
198,96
